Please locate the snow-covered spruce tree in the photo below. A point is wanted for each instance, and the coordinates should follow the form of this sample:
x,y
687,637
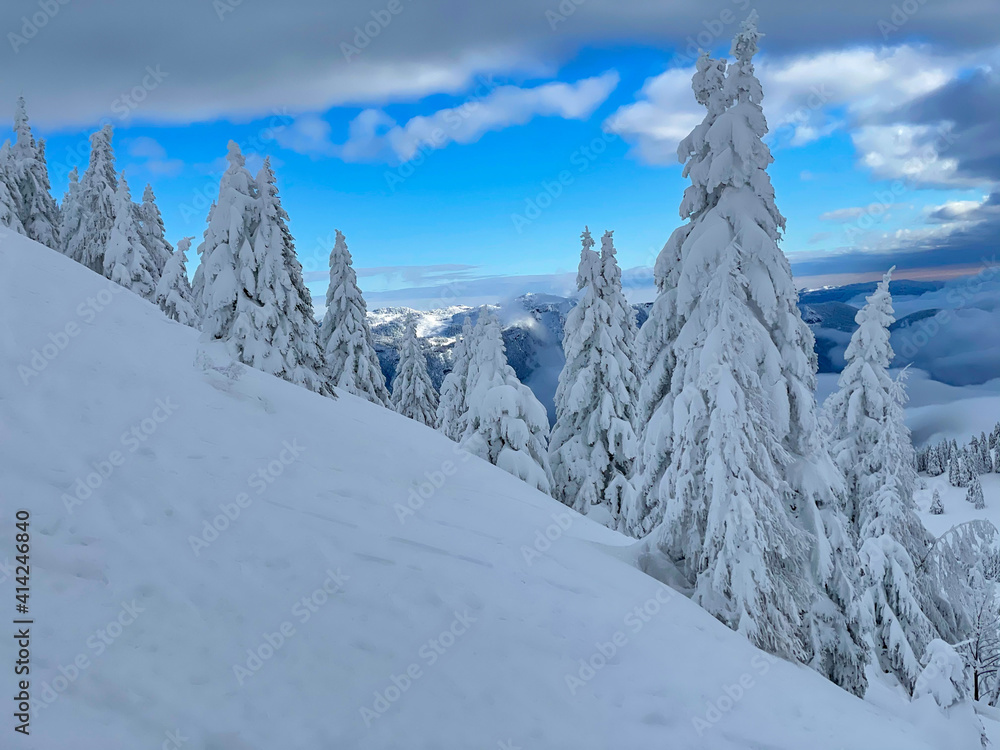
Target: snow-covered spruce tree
x,y
750,497
71,210
954,471
126,261
198,279
345,337
986,455
575,479
151,230
593,443
413,393
935,467
873,448
657,337
37,209
972,450
451,406
975,494
968,464
900,630
937,507
9,204
250,299
292,328
862,406
620,411
86,244
921,460
227,261
173,291
505,424
985,461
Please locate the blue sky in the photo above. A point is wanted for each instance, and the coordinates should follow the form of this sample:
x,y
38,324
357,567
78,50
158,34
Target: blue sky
x,y
531,130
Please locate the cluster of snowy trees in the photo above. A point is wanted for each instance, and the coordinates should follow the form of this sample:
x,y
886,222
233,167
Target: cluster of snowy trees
x,y
593,445
963,464
588,459
97,224
248,291
700,433
249,286
980,456
26,203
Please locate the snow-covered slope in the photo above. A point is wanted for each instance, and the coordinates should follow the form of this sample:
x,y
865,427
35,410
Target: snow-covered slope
x,y
371,587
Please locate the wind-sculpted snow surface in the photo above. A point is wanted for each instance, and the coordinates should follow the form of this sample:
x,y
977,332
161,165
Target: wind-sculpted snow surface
x,y
227,561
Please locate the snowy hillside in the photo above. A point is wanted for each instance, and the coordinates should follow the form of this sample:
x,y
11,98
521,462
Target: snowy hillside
x,y
365,585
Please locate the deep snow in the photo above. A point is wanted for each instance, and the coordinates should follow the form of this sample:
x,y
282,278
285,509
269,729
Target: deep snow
x,y
455,608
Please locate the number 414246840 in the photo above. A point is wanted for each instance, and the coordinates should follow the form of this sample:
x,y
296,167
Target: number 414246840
x,y
23,570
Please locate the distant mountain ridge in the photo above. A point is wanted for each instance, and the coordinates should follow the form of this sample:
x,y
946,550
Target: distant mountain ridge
x,y
533,330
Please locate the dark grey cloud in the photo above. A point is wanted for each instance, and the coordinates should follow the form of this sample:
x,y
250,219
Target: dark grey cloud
x,y
80,61
961,211
972,104
974,241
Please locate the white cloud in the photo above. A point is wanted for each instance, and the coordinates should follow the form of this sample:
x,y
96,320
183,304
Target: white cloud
x,y
666,113
503,107
308,134
876,210
373,134
954,210
916,153
148,154
803,96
